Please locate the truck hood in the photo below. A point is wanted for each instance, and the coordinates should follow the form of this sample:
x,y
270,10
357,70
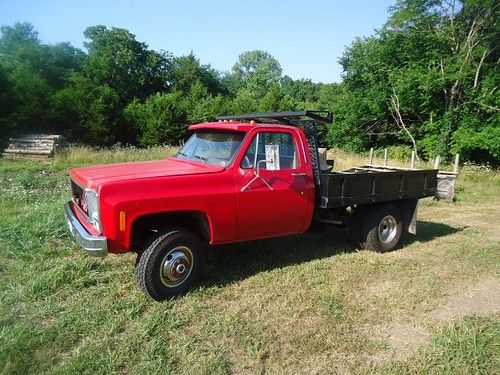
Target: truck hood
x,y
93,176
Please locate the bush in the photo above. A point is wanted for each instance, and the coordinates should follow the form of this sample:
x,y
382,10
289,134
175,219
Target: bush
x,y
401,152
161,119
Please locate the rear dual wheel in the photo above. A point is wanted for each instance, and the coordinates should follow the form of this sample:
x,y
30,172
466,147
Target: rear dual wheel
x,y
378,228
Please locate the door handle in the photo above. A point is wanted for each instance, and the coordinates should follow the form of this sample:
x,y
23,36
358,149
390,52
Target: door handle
x,y
303,174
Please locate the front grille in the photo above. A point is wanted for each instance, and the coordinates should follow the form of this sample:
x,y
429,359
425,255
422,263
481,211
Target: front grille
x,y
78,196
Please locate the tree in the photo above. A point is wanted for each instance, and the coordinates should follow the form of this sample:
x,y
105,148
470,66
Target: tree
x,y
92,113
303,92
161,119
203,106
188,71
425,77
117,70
117,59
7,103
458,41
428,79
244,102
34,73
17,37
256,71
61,61
251,62
275,100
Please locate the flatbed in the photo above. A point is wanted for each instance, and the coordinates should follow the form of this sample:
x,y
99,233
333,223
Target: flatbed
x,y
369,184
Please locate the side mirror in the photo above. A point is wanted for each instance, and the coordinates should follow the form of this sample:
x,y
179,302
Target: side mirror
x,y
256,172
258,166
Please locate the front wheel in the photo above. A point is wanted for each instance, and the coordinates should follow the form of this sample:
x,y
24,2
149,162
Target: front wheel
x,y
170,264
382,228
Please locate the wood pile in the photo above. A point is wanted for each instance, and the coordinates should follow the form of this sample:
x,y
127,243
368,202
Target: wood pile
x,y
38,147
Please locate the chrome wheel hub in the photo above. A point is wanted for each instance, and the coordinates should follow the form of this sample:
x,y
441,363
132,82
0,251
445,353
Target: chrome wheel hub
x,y
176,266
387,229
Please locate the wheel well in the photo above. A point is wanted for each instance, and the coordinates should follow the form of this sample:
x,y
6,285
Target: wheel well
x,y
406,207
142,227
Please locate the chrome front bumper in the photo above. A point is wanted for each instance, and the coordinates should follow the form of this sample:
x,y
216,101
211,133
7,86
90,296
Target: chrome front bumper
x,y
95,246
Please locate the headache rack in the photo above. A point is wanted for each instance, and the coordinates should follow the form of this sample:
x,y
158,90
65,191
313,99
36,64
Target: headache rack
x,y
306,120
296,118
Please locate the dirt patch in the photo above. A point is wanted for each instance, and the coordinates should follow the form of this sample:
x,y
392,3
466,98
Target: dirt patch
x,y
403,338
380,289
482,298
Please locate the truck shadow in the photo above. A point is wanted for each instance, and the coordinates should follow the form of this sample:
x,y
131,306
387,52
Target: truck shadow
x,y
229,263
428,230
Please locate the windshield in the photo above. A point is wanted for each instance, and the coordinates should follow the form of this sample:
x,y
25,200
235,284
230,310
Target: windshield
x,y
211,147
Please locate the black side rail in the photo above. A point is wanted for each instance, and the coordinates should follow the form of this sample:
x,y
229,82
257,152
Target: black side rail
x,y
288,118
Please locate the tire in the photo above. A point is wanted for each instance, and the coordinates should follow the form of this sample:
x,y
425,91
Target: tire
x,y
381,228
170,264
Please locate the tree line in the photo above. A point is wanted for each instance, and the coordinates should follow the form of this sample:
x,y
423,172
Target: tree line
x,y
427,80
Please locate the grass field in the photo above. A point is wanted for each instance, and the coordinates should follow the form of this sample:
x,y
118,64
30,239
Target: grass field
x,y
302,304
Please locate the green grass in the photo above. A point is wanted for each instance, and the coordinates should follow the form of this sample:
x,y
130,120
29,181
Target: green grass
x,y
468,346
300,304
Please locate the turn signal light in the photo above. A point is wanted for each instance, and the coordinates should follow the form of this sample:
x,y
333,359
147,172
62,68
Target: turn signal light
x,y
122,221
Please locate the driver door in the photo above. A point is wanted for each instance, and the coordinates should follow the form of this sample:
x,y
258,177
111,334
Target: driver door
x,y
272,187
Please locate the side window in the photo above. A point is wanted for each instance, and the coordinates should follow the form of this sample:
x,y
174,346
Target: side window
x,y
272,151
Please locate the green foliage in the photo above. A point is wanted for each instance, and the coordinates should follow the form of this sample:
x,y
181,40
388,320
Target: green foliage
x,y
244,102
118,60
427,80
275,100
7,105
188,71
438,62
468,346
261,64
161,119
305,92
204,106
23,63
31,74
91,112
255,71
17,37
477,141
400,152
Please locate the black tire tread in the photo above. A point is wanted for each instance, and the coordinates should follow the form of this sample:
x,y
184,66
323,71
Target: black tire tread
x,y
369,227
145,280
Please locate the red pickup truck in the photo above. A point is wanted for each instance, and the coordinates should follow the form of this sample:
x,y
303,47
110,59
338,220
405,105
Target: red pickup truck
x,y
241,178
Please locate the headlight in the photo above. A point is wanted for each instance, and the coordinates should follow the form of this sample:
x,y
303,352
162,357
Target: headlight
x,y
93,209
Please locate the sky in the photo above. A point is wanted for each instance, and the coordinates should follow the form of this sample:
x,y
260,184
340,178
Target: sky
x,y
306,37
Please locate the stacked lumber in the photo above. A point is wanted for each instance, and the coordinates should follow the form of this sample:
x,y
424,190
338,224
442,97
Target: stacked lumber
x,y
39,147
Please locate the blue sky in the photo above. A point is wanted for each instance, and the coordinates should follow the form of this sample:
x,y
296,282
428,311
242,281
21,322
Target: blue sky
x,y
307,37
